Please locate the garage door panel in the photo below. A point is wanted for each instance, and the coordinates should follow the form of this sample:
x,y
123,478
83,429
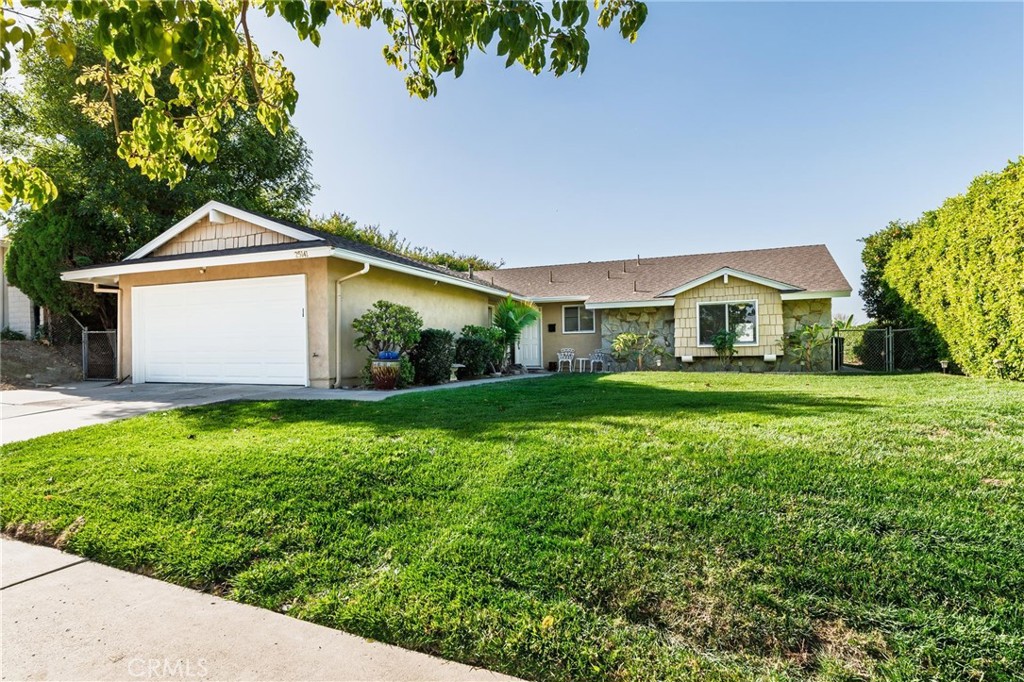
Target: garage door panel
x,y
230,331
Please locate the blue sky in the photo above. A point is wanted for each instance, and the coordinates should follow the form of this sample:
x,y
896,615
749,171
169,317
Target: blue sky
x,y
725,126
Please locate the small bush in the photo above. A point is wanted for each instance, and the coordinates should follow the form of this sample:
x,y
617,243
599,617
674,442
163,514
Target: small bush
x,y
8,334
636,350
480,349
724,342
433,356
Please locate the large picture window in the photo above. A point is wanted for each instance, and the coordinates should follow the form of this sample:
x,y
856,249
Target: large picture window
x,y
737,317
577,320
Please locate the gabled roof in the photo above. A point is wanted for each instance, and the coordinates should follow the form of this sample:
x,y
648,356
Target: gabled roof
x,y
316,242
797,271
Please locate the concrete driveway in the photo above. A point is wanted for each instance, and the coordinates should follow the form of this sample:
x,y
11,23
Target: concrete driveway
x,y
27,414
31,413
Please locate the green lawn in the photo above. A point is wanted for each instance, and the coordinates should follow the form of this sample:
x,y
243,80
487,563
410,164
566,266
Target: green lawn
x,y
632,526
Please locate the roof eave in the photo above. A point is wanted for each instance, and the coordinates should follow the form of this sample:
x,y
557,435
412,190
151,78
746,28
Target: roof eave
x,y
806,295
128,267
646,303
385,264
730,272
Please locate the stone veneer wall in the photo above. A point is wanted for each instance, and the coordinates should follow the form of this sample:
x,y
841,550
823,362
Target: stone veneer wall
x,y
660,320
796,314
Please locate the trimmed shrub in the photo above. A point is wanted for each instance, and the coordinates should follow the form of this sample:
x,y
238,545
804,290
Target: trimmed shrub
x,y
480,349
887,308
387,326
962,269
433,356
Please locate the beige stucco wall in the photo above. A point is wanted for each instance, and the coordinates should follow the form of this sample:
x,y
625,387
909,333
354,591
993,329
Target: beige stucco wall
x,y
315,270
230,234
769,316
442,306
552,342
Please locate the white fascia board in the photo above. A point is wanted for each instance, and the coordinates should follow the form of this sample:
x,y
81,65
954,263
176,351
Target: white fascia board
x,y
218,210
385,264
739,274
555,299
608,305
805,295
132,267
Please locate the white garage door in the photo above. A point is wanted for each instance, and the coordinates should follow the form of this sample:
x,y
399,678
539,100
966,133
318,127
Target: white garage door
x,y
237,331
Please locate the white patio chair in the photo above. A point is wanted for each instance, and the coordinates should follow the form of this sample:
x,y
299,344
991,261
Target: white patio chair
x,y
565,355
600,357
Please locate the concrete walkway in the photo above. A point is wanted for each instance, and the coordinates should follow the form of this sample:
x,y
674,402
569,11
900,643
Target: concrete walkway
x,y
66,618
27,414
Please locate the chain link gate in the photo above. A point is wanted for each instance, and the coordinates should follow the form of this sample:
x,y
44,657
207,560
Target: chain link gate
x,y
882,349
95,350
99,354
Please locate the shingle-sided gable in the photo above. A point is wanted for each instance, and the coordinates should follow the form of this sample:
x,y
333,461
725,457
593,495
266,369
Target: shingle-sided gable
x,y
230,233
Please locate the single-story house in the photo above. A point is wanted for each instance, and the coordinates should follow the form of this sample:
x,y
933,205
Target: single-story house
x,y
230,296
760,294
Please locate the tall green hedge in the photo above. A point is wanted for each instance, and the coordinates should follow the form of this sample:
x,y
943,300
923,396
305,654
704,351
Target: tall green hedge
x,y
963,270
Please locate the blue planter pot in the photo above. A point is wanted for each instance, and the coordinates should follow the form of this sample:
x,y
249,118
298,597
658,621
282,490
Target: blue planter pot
x,y
388,355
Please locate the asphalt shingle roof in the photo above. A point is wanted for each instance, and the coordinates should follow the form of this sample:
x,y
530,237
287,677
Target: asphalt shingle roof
x,y
806,268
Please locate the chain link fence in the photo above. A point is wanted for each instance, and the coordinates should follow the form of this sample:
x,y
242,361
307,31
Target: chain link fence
x,y
881,349
94,352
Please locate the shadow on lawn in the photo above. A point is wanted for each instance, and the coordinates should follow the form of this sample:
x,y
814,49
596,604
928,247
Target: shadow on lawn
x,y
563,401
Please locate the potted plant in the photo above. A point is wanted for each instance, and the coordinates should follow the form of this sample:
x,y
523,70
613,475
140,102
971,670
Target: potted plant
x,y
388,331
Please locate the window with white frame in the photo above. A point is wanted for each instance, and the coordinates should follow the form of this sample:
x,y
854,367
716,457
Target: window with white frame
x,y
738,316
577,320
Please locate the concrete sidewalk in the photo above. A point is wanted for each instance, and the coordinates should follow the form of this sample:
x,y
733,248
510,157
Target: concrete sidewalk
x,y
27,414
65,618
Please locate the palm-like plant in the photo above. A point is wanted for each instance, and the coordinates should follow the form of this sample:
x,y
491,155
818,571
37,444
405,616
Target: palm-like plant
x,y
511,318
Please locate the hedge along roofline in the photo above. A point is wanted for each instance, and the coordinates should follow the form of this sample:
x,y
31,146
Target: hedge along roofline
x,y
963,270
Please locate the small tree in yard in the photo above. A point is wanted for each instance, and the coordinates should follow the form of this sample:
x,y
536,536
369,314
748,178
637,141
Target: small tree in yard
x,y
805,342
388,326
511,318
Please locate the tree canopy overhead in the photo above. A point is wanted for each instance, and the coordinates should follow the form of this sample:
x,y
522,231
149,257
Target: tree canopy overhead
x,y
217,71
105,209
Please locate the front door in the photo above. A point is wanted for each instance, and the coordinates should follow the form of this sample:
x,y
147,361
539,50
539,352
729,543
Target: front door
x,y
528,349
